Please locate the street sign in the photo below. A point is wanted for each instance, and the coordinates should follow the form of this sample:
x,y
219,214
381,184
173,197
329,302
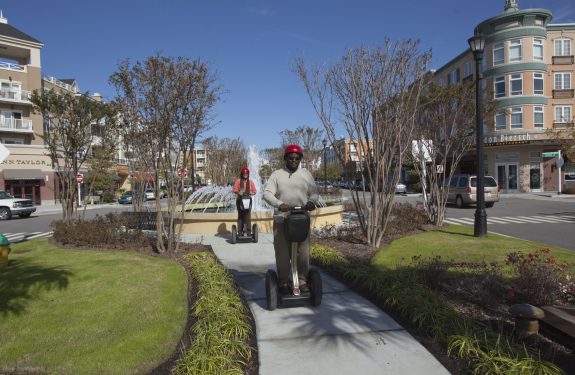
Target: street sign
x,y
4,152
550,154
79,178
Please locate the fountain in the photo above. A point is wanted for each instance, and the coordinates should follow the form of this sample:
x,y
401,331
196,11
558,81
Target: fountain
x,y
212,209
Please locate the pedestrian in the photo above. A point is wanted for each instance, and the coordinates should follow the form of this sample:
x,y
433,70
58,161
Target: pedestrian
x,y
288,187
244,186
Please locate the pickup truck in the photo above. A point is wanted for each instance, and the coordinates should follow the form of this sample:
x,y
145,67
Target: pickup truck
x,y
10,206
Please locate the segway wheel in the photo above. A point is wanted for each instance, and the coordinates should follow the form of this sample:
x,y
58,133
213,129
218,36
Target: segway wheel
x,y
255,232
234,234
316,287
272,290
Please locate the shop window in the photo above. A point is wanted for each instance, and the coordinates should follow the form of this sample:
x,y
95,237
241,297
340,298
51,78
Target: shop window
x,y
515,51
538,83
538,117
516,118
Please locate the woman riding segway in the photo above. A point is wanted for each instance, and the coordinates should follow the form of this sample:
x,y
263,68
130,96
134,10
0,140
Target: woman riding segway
x,y
244,188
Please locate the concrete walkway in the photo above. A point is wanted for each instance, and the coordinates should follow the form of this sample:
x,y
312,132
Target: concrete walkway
x,y
346,334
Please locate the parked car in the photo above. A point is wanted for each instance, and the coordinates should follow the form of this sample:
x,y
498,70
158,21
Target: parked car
x,y
10,206
463,190
325,187
163,193
400,188
126,198
149,194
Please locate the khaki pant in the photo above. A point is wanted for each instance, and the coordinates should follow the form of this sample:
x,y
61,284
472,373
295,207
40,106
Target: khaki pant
x,y
282,249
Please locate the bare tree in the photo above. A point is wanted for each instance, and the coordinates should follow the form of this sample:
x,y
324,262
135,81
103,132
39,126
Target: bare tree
x,y
374,95
167,105
443,135
68,121
226,157
309,139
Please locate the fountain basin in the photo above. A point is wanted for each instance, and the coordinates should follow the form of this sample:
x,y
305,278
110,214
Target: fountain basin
x,y
221,223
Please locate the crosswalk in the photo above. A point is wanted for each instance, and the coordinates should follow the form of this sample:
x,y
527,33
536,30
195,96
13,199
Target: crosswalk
x,y
25,236
534,219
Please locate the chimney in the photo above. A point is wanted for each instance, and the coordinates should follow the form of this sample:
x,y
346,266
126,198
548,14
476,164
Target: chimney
x,y
2,18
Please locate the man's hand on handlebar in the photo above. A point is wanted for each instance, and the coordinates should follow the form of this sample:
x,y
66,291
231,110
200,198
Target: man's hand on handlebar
x,y
283,207
310,206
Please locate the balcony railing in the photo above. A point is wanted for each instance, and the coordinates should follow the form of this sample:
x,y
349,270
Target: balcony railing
x,y
563,60
59,83
16,125
17,95
10,66
563,94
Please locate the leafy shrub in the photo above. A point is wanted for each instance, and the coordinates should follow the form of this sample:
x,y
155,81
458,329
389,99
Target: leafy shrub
x,y
221,331
110,231
537,277
567,289
482,284
406,218
430,271
108,197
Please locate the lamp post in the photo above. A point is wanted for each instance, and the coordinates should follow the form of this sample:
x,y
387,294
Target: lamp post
x,y
324,142
477,45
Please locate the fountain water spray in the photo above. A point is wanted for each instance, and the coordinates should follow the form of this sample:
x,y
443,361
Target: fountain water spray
x,y
221,198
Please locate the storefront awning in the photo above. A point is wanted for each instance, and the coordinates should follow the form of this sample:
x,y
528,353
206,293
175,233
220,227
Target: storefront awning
x,y
22,174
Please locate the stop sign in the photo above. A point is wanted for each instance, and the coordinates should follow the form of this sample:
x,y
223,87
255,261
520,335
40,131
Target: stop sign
x,y
79,178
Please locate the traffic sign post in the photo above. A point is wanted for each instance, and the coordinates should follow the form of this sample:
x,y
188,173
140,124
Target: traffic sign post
x,y
79,178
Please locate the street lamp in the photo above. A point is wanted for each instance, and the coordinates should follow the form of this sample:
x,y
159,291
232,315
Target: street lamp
x,y
324,142
477,45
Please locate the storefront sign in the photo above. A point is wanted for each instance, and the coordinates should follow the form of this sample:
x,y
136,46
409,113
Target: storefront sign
x,y
26,162
507,139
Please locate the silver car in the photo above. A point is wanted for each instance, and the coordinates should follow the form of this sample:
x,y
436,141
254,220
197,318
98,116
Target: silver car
x,y
463,190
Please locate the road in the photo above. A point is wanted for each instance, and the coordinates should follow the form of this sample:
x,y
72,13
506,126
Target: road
x,y
546,220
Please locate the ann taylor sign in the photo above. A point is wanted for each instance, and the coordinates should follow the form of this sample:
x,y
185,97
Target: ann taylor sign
x,y
507,139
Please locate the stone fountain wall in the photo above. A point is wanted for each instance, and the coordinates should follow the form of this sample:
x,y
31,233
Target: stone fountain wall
x,y
221,223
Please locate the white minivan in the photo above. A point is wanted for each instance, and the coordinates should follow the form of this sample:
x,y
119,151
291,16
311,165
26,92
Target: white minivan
x,y
463,190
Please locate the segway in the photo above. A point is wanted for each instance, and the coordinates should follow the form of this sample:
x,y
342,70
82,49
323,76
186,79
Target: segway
x,y
245,206
297,225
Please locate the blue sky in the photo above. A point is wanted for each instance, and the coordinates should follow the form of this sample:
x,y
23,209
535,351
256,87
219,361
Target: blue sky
x,y
250,44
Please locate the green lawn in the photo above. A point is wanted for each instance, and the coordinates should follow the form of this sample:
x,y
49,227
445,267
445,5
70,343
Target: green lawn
x,y
88,312
457,243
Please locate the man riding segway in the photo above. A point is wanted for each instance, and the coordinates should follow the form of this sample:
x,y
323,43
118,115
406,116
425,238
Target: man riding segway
x,y
290,191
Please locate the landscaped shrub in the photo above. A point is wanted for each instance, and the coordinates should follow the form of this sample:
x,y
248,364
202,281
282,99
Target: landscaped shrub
x,y
537,278
406,218
221,331
108,197
110,231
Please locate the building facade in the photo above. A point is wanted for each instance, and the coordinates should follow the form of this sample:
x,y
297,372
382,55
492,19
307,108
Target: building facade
x,y
528,63
28,171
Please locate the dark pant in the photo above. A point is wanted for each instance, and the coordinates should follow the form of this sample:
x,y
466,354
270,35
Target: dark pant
x,y
282,249
243,217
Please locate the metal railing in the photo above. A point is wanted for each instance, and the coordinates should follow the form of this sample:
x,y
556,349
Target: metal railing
x,y
59,83
16,124
10,66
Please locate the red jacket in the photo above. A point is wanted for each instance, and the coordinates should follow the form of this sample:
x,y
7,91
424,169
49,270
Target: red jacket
x,y
236,187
